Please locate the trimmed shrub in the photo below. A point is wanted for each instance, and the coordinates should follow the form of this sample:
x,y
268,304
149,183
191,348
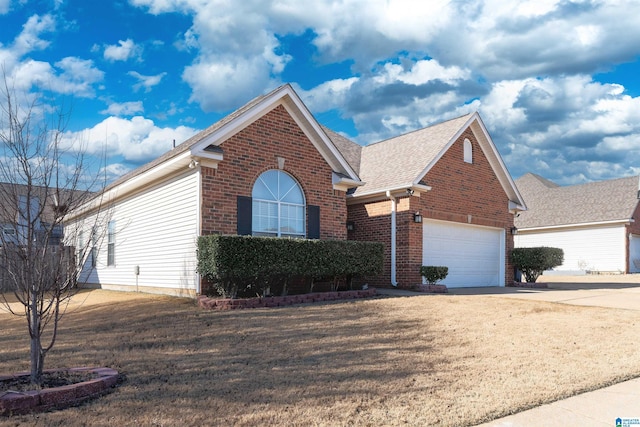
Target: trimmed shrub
x,y
534,261
247,265
434,273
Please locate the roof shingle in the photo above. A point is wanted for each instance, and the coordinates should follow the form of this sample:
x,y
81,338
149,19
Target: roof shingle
x,y
552,205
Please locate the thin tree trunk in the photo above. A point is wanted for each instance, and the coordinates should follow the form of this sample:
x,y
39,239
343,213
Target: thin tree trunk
x,y
36,350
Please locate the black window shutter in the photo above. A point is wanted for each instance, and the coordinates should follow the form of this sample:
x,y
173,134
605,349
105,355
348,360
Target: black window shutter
x,y
313,222
244,215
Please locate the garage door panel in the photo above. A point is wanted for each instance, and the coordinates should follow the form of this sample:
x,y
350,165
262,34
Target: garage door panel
x,y
474,255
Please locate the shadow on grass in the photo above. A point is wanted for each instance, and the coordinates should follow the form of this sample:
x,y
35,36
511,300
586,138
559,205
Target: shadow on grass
x,y
188,364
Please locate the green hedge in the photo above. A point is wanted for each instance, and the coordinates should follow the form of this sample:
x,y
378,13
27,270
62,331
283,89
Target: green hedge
x,y
534,261
434,273
246,265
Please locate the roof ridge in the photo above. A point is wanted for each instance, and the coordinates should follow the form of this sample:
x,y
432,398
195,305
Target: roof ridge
x,y
419,129
601,182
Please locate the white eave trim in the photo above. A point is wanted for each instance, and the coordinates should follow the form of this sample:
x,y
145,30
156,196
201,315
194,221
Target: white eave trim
x,y
584,224
398,191
206,158
135,183
515,207
343,183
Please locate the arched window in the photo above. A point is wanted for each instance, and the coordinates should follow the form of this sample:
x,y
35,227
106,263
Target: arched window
x,y
468,151
278,206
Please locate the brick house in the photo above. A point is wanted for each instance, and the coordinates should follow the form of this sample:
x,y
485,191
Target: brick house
x,y
270,169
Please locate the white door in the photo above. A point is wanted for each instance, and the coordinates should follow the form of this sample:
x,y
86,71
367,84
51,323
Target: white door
x,y
474,255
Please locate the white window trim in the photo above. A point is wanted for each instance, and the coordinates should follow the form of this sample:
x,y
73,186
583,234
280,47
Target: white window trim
x,y
279,205
468,151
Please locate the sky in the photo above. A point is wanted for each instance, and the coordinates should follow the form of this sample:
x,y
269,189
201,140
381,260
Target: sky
x,y
556,82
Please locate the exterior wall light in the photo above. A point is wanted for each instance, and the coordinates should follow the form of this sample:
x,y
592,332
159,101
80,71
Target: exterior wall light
x,y
351,226
514,230
417,218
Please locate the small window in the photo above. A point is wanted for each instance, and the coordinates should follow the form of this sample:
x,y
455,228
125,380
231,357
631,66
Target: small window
x,y
111,243
94,247
468,151
80,248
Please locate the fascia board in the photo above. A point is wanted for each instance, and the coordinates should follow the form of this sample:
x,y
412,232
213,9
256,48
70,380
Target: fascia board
x,y
140,181
397,191
288,98
579,225
501,170
297,109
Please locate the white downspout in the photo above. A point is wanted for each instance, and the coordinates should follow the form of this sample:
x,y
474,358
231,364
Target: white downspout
x,y
394,203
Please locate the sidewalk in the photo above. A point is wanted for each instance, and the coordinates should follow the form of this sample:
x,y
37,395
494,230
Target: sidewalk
x,y
596,408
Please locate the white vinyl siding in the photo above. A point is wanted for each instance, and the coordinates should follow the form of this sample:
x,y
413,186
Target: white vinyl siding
x,y
590,249
474,255
157,231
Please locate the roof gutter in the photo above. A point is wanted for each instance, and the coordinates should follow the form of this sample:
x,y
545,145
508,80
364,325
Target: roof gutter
x,y
398,191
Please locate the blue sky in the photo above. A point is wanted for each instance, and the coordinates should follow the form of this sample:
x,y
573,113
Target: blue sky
x,y
557,83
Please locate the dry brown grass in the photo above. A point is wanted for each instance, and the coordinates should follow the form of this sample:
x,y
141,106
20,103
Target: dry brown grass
x,y
426,360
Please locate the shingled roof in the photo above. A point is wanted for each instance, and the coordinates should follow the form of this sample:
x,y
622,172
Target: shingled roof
x,y
551,205
388,165
399,161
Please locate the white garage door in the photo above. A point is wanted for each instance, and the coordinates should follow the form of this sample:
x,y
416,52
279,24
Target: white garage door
x,y
474,255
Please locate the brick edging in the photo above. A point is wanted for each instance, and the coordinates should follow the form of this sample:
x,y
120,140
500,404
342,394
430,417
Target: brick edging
x,y
529,285
15,403
258,302
431,289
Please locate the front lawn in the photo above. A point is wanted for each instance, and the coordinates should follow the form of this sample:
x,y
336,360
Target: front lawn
x,y
426,360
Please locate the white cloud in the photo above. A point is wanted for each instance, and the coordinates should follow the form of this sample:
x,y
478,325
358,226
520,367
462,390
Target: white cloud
x,y
124,108
137,139
4,6
124,50
29,39
420,72
237,79
114,171
146,82
328,95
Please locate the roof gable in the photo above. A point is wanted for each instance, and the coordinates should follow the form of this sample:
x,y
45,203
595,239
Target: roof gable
x,y
551,205
203,146
402,162
287,97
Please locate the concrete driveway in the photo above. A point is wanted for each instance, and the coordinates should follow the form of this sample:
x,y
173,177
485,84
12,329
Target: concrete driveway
x,y
611,295
612,291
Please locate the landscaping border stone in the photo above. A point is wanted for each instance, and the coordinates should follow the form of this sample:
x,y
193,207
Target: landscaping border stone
x,y
431,289
16,403
280,301
528,285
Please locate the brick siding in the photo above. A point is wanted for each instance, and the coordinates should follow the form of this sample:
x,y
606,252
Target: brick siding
x,y
255,150
461,192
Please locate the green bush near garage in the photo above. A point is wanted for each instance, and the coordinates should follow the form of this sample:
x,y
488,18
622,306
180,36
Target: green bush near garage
x,y
238,266
534,261
434,273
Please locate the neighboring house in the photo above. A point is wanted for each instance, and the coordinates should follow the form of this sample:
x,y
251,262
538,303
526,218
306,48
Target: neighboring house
x,y
270,169
596,224
20,204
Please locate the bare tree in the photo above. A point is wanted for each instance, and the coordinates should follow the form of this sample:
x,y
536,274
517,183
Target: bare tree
x,y
40,183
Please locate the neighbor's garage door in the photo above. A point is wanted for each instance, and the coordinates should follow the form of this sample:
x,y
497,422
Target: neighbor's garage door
x,y
474,255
